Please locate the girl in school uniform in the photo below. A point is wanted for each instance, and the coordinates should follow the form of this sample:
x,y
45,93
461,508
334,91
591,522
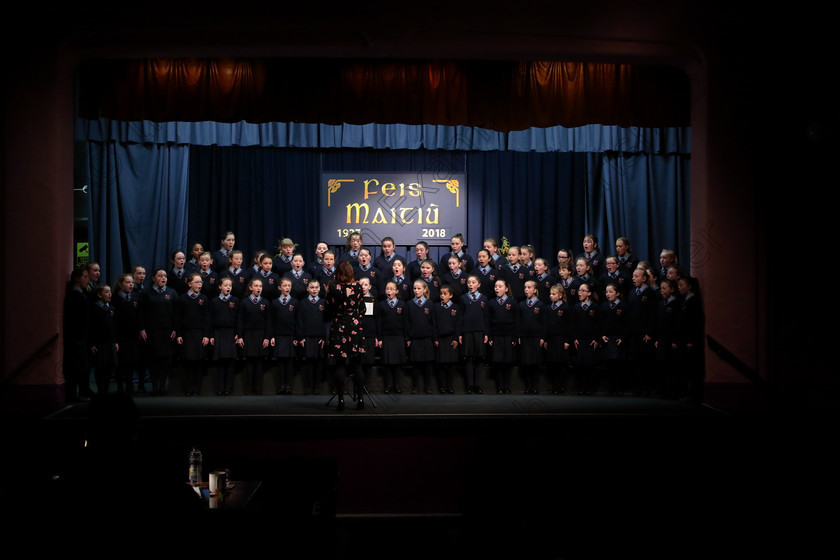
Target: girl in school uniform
x,y
474,337
76,328
558,339
627,261
270,279
564,257
352,246
253,324
283,321
157,329
526,256
593,255
642,302
252,269
392,340
193,332
455,277
532,328
94,274
177,276
103,339
318,260
192,259
669,379
385,260
237,274
138,274
299,277
421,250
586,316
544,279
503,321
615,327
126,310
370,327
430,277
405,291
224,311
456,245
373,274
652,275
584,274
447,323
615,274
570,284
515,274
491,245
209,277
487,272
420,337
282,263
221,257
311,336
325,274
692,338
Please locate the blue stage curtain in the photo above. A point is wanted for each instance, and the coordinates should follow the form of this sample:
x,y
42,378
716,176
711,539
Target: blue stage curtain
x,y
549,200
262,195
642,197
547,187
139,198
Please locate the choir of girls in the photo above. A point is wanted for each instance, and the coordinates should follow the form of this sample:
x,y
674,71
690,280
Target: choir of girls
x,y
604,322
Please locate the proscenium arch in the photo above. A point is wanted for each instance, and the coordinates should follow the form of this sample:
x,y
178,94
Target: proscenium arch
x,y
61,61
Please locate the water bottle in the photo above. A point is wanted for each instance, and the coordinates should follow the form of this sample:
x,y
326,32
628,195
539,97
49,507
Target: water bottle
x,y
195,467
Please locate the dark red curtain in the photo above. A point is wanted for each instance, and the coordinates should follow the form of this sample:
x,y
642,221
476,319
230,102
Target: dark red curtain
x,y
502,96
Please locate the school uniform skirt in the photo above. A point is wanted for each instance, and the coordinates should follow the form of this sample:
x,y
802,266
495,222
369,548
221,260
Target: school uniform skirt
x,y
369,356
586,355
445,353
502,351
663,351
393,350
159,343
612,350
311,350
105,357
191,349
529,351
224,347
253,340
555,350
284,347
129,353
422,350
474,346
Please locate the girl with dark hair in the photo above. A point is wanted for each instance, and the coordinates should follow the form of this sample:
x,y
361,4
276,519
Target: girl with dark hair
x,y
76,325
345,309
586,316
157,328
193,332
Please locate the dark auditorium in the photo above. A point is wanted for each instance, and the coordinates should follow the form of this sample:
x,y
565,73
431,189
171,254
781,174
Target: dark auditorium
x,y
389,280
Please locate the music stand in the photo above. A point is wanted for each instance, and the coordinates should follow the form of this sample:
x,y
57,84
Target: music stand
x,y
355,395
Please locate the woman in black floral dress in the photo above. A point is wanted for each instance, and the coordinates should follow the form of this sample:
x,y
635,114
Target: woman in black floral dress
x,y
345,309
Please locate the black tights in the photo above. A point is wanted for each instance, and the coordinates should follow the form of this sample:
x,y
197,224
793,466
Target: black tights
x,y
341,370
473,370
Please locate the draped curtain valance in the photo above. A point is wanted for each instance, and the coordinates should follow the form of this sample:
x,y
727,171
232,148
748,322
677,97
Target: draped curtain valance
x,y
589,138
493,95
